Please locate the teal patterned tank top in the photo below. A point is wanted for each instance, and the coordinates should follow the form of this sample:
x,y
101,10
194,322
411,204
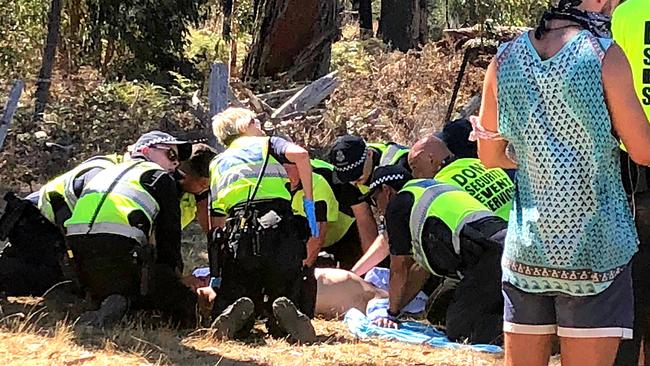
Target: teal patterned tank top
x,y
571,229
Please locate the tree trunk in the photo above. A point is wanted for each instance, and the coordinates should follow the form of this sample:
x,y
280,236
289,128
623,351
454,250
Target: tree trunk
x,y
365,18
227,8
403,24
44,75
292,38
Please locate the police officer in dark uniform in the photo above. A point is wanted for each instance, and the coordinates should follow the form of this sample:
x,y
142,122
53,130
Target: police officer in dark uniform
x,y
451,235
124,233
260,254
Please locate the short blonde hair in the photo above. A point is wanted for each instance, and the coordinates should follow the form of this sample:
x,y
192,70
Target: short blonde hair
x,y
231,123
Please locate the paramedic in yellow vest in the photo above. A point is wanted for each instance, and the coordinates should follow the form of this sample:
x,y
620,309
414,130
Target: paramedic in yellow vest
x,y
430,158
261,252
631,31
124,233
446,231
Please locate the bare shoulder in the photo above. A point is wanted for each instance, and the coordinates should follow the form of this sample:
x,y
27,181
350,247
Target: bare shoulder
x,y
614,60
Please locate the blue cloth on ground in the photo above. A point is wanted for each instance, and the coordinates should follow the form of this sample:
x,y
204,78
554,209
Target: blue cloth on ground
x,y
377,308
408,332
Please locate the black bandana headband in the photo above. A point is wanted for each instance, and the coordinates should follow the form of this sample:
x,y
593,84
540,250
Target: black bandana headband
x,y
598,24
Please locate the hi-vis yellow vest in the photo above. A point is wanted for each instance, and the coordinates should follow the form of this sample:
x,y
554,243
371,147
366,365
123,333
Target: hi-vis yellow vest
x,y
450,204
322,193
631,31
335,230
390,153
491,187
126,196
63,184
188,209
233,174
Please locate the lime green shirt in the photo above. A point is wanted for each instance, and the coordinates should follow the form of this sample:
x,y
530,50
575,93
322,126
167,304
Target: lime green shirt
x,y
631,30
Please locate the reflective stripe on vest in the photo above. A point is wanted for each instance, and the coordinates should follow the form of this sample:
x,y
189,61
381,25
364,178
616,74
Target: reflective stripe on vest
x,y
64,185
234,173
108,228
422,209
389,155
251,172
143,199
390,152
97,162
117,203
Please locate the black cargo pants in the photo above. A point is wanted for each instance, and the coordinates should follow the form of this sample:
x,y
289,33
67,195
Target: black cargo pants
x,y
475,313
262,264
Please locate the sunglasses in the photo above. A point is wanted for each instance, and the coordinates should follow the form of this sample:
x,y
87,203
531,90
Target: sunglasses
x,y
171,154
373,199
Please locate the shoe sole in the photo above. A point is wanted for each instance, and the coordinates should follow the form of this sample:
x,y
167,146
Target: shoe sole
x,y
227,324
297,325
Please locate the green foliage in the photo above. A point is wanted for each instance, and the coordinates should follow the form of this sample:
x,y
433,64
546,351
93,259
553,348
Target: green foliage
x,y
153,32
22,31
356,56
461,13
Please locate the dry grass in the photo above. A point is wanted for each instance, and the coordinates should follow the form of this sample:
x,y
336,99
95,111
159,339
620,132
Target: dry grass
x,y
40,342
41,331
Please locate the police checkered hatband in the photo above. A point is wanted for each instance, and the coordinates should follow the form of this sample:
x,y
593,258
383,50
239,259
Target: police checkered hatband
x,y
353,165
386,179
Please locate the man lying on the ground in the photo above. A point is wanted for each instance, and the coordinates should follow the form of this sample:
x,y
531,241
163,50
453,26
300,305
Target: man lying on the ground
x,y
338,291
451,235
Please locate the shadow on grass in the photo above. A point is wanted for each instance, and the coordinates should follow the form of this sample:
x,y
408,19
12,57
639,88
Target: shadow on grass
x,y
142,334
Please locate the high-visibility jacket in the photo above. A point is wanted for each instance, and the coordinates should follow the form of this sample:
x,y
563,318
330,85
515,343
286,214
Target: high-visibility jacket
x,y
63,185
390,155
491,187
234,174
322,193
107,201
390,152
335,230
631,31
188,209
452,205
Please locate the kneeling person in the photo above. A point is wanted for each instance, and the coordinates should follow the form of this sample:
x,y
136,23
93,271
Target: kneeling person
x,y
260,255
450,234
125,236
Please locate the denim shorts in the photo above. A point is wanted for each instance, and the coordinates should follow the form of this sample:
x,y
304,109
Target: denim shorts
x,y
607,314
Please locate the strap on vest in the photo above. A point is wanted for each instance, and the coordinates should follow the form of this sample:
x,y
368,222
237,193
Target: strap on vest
x,y
110,188
108,228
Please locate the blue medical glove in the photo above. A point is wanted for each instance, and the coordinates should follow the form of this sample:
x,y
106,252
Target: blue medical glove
x,y
310,212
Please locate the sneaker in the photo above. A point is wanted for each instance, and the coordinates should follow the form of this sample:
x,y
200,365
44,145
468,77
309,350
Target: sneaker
x,y
109,313
233,319
293,321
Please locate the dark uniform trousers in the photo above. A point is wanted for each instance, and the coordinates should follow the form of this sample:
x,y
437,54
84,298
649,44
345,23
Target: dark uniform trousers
x,y
106,265
475,313
262,263
31,263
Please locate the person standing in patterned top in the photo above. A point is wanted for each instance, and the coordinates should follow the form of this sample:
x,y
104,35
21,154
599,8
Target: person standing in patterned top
x,y
557,96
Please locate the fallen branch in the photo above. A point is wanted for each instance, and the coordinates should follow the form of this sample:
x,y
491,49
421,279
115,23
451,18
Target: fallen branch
x,y
10,109
309,96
